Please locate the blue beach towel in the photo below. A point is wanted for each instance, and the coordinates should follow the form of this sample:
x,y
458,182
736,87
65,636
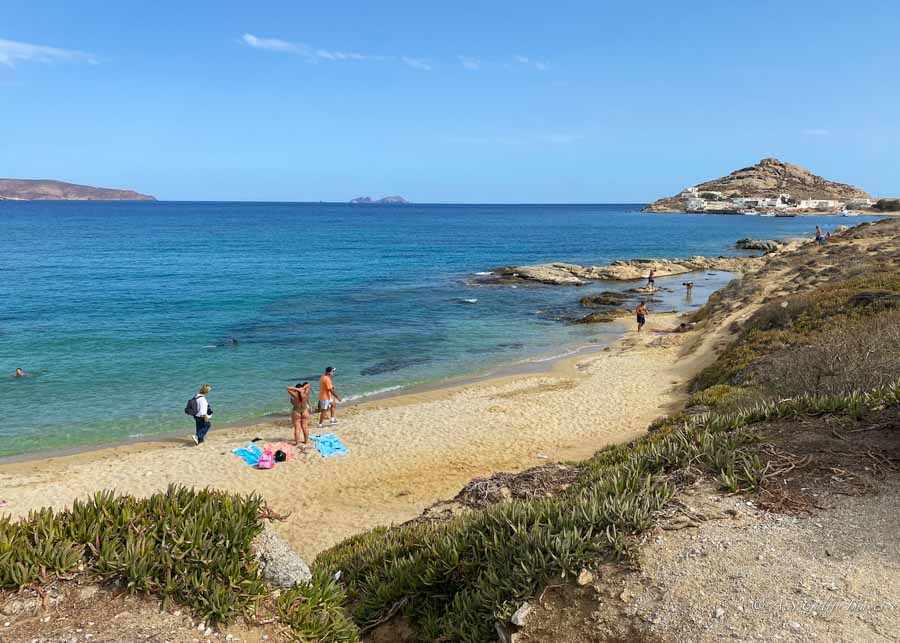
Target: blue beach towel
x,y
250,454
328,444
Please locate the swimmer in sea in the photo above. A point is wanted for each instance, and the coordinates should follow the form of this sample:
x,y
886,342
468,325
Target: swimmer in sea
x,y
20,372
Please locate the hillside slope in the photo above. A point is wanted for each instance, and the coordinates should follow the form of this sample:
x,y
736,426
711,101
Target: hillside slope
x,y
49,190
768,178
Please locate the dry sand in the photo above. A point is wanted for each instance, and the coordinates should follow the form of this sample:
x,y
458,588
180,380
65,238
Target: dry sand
x,y
406,452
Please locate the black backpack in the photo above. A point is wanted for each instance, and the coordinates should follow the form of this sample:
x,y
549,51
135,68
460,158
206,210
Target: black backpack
x,y
191,407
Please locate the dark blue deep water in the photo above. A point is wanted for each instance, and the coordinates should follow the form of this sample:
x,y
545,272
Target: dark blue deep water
x,y
120,310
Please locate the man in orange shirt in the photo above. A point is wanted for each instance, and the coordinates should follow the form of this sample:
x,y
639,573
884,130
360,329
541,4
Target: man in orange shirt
x,y
327,397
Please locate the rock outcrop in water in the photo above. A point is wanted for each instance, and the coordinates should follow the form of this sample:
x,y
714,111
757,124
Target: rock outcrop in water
x,y
388,200
568,274
45,190
766,245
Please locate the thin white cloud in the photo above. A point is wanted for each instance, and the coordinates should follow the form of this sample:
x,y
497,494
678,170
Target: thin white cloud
x,y
416,63
12,52
817,131
315,55
540,65
469,62
285,47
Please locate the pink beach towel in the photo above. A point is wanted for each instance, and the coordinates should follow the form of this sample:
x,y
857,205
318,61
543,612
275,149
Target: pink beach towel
x,y
282,446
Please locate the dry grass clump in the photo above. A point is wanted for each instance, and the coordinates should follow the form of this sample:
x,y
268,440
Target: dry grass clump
x,y
857,354
802,320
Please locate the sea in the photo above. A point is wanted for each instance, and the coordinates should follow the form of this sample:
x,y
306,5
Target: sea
x,y
119,311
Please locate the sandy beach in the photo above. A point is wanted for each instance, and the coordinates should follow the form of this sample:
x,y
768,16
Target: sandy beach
x,y
406,452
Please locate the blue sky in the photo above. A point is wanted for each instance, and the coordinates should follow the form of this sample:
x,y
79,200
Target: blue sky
x,y
487,101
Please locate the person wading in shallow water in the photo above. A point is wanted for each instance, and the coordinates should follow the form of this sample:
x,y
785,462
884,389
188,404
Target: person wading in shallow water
x,y
327,397
641,314
300,411
651,279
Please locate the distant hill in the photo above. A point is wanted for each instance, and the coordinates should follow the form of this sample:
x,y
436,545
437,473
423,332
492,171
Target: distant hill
x,y
767,179
388,200
45,190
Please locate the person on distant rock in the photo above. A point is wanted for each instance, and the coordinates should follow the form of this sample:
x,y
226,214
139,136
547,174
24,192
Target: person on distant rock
x,y
820,238
651,279
300,411
327,397
641,314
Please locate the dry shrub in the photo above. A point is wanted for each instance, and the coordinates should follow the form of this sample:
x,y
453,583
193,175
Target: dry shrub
x,y
857,354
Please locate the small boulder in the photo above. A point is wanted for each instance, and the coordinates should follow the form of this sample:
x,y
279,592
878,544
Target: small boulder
x,y
607,298
766,245
599,317
585,577
280,565
518,619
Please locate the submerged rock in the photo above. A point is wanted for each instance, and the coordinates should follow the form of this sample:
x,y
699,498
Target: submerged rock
x,y
280,565
606,298
599,317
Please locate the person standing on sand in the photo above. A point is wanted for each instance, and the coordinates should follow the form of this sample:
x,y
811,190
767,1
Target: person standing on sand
x,y
300,411
641,314
201,414
651,279
327,397
820,238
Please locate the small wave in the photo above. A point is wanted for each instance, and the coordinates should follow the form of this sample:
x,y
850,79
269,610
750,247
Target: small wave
x,y
464,300
381,391
550,358
483,274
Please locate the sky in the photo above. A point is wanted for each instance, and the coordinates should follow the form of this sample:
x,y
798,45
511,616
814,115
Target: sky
x,y
483,101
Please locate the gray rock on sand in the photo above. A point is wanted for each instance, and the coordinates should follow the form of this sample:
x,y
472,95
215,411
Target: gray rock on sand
x,y
280,565
766,245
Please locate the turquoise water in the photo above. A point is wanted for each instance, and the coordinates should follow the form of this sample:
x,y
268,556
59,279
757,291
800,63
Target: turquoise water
x,y
120,310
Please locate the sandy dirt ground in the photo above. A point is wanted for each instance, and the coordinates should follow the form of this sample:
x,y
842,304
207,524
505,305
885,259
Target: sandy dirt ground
x,y
405,452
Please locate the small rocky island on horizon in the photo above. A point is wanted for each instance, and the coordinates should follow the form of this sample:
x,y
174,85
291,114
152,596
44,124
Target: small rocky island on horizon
x,y
770,186
388,200
50,190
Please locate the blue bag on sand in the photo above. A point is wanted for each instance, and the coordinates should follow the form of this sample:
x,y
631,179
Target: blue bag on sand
x,y
328,444
250,454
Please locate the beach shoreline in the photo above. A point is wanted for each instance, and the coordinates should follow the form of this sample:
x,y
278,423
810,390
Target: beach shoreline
x,y
534,365
406,451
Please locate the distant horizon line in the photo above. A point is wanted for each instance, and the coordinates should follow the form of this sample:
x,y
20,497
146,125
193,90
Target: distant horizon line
x,y
348,203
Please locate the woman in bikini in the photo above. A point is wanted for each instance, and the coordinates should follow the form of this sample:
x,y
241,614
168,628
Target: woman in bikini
x,y
300,411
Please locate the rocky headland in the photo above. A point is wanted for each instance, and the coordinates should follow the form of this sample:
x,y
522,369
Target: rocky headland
x,y
47,190
767,180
